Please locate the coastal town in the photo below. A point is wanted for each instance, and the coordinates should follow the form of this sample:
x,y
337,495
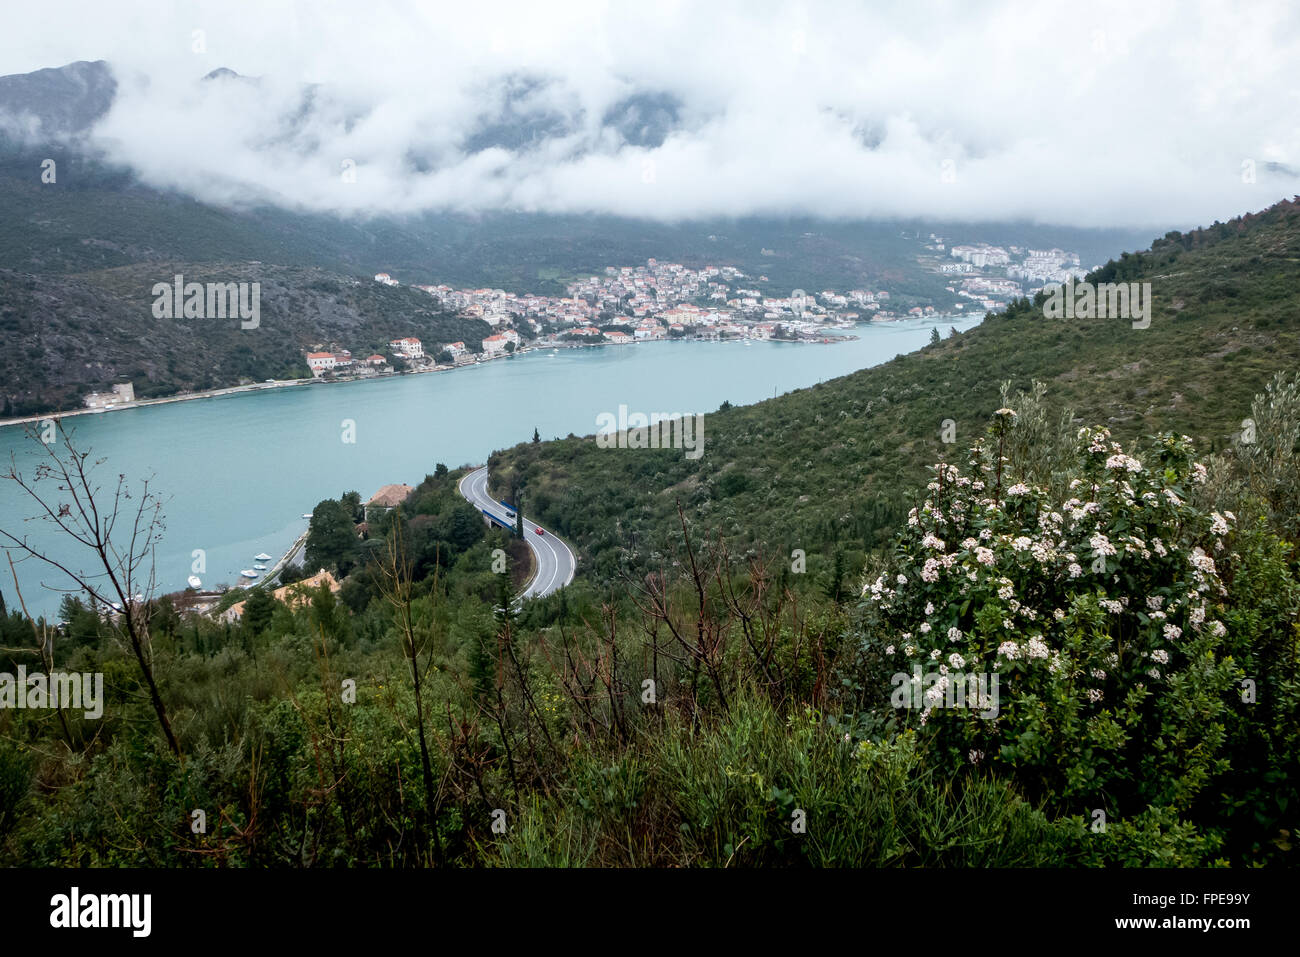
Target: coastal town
x,y
662,300
991,276
622,306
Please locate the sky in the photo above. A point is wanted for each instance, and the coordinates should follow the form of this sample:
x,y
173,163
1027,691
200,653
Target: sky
x,y
1134,114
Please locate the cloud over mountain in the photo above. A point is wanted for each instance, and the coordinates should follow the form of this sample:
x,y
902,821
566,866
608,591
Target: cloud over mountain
x,y
1135,115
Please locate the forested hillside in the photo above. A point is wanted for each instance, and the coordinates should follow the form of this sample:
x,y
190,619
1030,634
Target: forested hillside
x,y
832,467
77,333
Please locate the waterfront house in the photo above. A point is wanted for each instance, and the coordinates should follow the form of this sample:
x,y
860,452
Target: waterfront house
x,y
388,497
292,595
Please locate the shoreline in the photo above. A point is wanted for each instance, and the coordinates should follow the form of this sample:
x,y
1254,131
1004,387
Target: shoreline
x,y
162,400
830,339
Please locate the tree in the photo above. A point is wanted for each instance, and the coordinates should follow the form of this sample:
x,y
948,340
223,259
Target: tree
x,y
331,538
258,611
352,502
439,471
123,555
397,589
834,586
537,436
934,335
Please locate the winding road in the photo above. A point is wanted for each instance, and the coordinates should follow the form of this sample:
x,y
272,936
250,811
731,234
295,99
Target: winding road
x,y
554,560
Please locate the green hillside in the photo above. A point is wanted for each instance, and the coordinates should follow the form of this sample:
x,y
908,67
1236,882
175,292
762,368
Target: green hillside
x,y
82,332
833,465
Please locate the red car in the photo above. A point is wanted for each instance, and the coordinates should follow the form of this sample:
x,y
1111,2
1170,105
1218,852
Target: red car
x,y
539,531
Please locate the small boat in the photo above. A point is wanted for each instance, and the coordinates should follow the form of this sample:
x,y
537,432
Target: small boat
x,y
306,514
259,567
263,557
248,573
195,581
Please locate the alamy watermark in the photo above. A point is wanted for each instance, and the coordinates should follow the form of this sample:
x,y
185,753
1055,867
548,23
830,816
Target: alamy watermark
x,y
59,689
214,300
946,689
1105,300
656,430
74,909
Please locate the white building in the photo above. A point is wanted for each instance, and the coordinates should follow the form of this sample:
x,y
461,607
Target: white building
x,y
409,347
320,362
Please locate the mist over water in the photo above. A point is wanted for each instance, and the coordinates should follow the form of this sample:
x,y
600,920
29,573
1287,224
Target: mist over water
x,y
237,472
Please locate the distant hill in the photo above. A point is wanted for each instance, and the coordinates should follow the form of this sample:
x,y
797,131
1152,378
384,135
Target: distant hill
x,y
77,333
829,466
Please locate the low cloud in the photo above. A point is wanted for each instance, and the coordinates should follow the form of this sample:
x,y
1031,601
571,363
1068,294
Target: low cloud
x,y
1125,116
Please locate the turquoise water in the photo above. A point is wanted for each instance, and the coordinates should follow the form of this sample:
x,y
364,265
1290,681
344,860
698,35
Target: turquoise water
x,y
238,471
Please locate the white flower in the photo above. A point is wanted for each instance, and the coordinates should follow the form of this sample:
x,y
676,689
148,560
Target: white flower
x,y
1201,561
1023,543
984,555
1094,695
889,649
1009,650
1124,462
974,756
1037,648
925,628
1217,629
957,661
1160,656
935,693
1198,473
1101,544
1020,488
934,655
1074,570
1172,631
929,608
954,634
1218,525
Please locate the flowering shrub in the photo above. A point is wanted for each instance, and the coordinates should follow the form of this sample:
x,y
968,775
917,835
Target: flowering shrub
x,y
1099,615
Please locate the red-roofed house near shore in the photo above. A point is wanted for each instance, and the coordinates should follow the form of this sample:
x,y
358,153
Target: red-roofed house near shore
x,y
390,496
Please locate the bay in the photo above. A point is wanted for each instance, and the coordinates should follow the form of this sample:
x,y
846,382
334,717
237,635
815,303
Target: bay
x,y
238,471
